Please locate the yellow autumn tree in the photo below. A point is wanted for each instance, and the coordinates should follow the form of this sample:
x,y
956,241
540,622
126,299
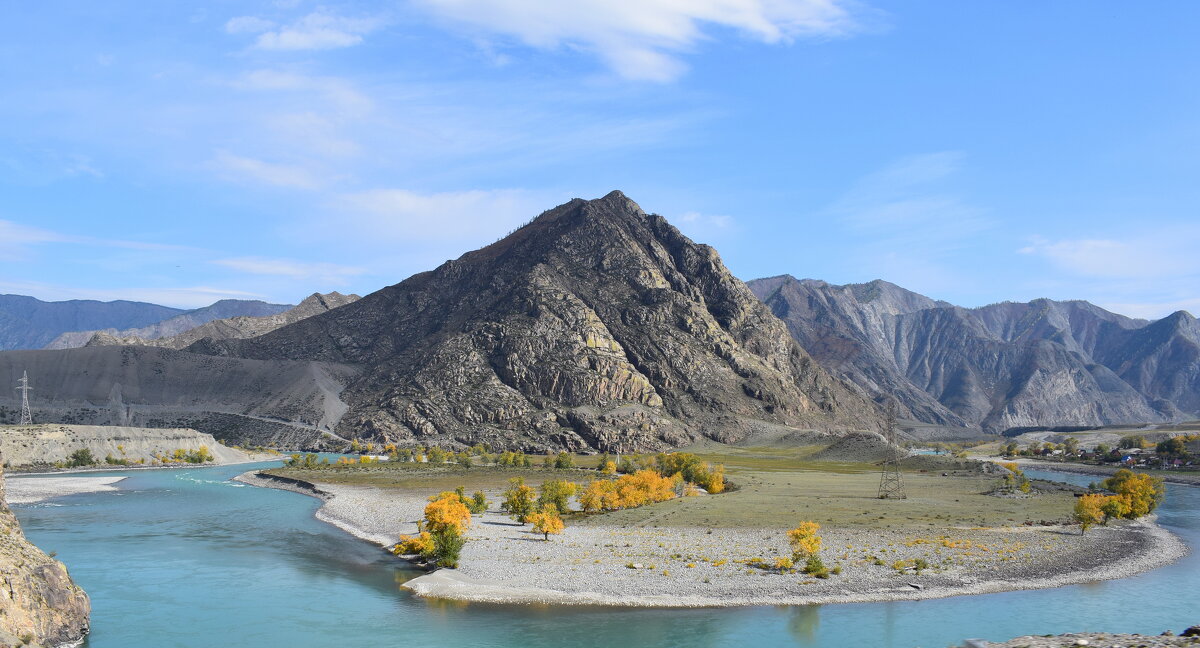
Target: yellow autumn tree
x,y
518,499
1115,506
447,511
547,521
1087,511
609,467
1145,492
804,540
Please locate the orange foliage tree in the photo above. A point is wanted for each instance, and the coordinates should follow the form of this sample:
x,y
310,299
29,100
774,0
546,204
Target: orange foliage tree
x,y
547,521
1087,511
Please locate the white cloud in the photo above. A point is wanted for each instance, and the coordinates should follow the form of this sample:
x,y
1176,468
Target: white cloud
x,y
338,93
316,31
247,25
641,40
1166,254
320,271
245,169
403,215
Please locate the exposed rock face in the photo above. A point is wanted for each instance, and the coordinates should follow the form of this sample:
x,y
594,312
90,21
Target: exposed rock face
x,y
595,325
999,366
185,321
234,328
28,445
38,599
250,402
29,323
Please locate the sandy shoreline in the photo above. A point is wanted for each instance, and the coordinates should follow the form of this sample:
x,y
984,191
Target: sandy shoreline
x,y
697,567
30,491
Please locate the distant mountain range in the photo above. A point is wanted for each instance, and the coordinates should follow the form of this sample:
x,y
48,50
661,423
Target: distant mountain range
x,y
29,323
1005,365
183,322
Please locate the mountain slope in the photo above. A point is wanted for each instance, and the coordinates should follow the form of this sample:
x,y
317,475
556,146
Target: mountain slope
x,y
234,328
185,321
999,366
595,325
29,323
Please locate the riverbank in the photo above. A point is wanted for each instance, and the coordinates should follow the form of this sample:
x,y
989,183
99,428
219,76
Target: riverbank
x,y
1169,476
30,491
1097,639
672,566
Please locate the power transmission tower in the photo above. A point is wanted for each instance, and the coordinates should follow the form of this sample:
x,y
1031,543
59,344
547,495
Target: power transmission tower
x,y
891,482
26,417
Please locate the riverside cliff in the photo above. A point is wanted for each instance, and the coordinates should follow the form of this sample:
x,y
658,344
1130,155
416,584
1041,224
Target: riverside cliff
x,y
39,603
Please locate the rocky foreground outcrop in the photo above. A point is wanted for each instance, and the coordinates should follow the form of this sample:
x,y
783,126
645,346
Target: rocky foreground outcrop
x,y
596,325
1005,365
39,603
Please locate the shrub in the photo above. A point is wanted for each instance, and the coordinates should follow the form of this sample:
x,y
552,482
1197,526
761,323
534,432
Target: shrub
x,y
479,503
81,457
564,461
804,540
814,567
421,544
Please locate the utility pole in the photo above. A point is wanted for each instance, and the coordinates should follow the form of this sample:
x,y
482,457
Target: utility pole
x,y
891,482
26,418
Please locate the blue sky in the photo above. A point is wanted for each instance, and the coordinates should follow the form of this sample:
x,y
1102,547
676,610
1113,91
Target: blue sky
x,y
972,151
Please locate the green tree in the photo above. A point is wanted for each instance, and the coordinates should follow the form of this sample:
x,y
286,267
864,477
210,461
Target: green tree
x,y
564,461
518,499
556,493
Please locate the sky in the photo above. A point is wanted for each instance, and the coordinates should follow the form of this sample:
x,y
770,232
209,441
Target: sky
x,y
976,152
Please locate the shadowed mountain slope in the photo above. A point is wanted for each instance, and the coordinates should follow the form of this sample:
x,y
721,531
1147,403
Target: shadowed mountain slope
x,y
999,366
595,325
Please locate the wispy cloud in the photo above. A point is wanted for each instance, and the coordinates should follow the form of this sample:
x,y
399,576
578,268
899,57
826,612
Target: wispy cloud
x,y
319,30
642,40
249,170
404,215
1144,274
293,269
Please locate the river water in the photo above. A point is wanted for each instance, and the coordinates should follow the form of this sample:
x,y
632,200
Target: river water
x,y
187,558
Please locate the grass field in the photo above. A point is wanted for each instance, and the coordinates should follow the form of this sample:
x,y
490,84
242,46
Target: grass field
x,y
773,488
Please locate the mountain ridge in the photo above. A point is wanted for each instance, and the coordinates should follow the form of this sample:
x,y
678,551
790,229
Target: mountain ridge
x,y
1002,365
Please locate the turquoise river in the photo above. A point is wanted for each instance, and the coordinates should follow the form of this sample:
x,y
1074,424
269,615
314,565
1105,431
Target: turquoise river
x,y
187,558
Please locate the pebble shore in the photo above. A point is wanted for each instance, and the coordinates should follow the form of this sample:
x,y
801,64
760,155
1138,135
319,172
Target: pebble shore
x,y
1097,640
504,562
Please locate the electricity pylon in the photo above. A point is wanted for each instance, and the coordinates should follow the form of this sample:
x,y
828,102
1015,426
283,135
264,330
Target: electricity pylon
x,y
26,417
891,482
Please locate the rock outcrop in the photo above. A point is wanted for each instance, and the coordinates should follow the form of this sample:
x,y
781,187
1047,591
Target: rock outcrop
x,y
233,328
595,325
999,366
185,321
39,603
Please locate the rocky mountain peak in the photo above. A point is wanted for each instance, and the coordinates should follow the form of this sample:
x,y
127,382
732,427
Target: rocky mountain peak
x,y
593,325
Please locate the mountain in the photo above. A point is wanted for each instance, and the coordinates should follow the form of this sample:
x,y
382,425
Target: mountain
x,y
1005,365
184,321
29,323
595,325
234,327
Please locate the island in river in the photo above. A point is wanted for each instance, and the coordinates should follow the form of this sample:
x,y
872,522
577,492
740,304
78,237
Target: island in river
x,y
710,550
